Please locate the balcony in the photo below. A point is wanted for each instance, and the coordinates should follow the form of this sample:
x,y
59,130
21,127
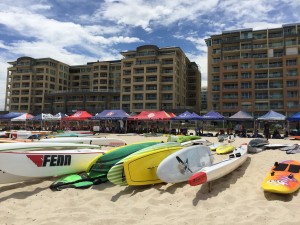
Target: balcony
x,y
276,96
261,96
276,35
233,48
275,75
261,66
260,56
230,67
259,46
261,75
272,65
231,39
275,85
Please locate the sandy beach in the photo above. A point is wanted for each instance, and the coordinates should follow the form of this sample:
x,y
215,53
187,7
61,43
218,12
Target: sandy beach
x,y
235,199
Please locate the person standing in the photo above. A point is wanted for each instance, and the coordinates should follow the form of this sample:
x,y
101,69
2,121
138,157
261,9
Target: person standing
x,y
267,130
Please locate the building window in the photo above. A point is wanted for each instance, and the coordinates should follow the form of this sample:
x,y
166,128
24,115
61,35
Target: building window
x,y
292,94
246,75
246,95
292,83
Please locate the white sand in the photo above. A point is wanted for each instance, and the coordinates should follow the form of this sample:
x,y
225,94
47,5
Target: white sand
x,y
235,199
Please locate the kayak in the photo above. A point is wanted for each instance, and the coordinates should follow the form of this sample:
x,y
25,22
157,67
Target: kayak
x,y
220,169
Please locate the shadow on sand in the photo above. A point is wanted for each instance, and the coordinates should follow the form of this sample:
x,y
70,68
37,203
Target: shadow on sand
x,y
280,197
21,194
133,190
220,184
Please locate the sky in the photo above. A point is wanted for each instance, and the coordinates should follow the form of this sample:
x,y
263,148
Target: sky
x,y
80,31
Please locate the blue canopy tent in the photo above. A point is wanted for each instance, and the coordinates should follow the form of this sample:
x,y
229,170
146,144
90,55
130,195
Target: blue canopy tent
x,y
118,114
7,117
272,116
187,116
241,116
212,115
111,115
294,118
10,115
183,116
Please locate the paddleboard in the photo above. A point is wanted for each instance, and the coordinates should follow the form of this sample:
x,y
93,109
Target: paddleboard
x,y
141,169
38,146
214,146
283,178
179,166
220,169
47,163
98,169
270,146
295,138
226,148
108,160
182,138
69,134
201,141
116,174
86,140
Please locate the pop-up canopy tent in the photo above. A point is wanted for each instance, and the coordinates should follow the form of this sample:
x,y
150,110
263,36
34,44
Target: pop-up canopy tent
x,y
171,114
241,116
187,116
294,118
23,117
59,116
183,116
79,115
10,115
272,116
115,115
151,115
212,115
111,115
42,116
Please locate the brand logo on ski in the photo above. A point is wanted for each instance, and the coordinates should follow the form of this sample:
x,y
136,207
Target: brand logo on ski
x,y
50,160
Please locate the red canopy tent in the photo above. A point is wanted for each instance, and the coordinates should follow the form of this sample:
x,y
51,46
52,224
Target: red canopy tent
x,y
171,114
79,115
151,115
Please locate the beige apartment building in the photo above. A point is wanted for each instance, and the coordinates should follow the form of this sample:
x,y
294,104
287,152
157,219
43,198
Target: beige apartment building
x,y
254,71
149,78
92,87
29,80
155,78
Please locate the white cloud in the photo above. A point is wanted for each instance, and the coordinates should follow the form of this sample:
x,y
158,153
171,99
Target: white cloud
x,y
143,13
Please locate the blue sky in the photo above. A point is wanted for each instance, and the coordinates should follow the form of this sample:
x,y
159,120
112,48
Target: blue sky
x,y
81,31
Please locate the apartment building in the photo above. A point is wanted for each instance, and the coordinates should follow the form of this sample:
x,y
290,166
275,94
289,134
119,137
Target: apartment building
x,y
155,78
92,87
29,80
148,78
254,70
